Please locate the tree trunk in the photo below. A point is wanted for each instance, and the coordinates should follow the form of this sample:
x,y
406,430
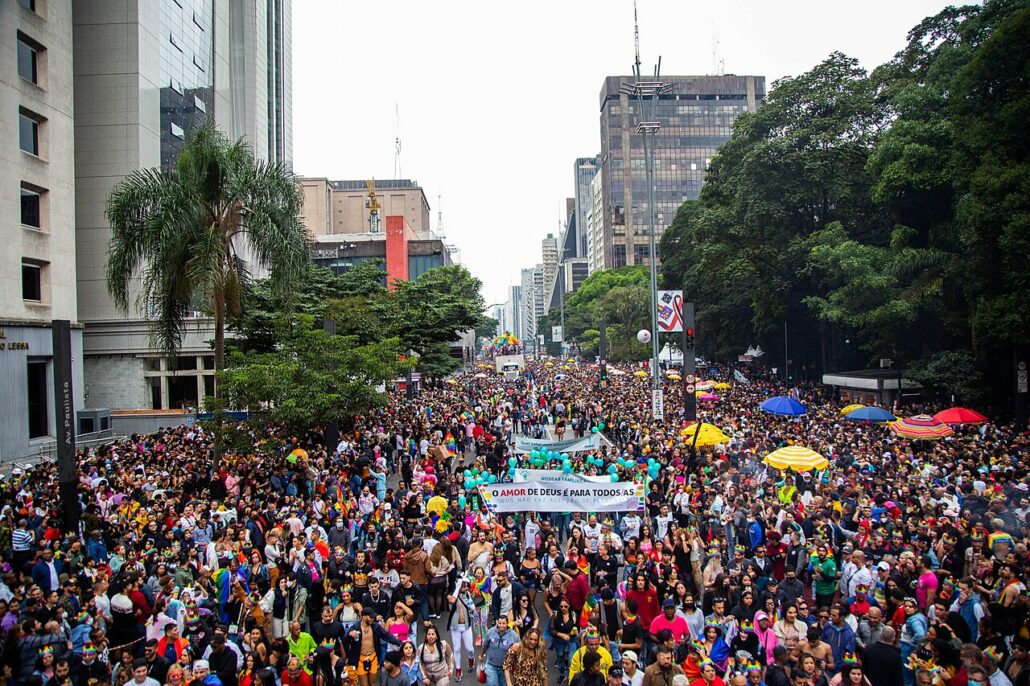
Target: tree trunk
x,y
219,339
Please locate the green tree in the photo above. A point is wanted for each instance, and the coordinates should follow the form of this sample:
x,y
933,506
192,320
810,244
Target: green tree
x,y
181,230
312,377
437,362
435,307
621,297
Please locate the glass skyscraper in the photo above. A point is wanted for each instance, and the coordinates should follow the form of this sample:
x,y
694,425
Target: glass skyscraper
x,y
696,117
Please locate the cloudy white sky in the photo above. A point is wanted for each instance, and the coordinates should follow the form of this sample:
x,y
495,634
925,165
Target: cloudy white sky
x,y
497,99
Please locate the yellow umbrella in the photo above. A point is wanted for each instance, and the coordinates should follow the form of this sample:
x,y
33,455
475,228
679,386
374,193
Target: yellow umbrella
x,y
640,372
851,408
722,386
548,364
450,381
796,457
707,435
676,377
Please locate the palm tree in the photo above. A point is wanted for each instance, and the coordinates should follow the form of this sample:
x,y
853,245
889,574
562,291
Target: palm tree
x,y
183,232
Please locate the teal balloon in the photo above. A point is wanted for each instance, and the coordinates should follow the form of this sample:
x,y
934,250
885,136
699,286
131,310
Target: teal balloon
x,y
512,462
492,478
566,468
594,430
612,469
534,454
461,501
564,456
468,474
601,426
651,462
615,477
511,472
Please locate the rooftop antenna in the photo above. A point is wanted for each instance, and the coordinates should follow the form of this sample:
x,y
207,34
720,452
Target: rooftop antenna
x,y
439,215
718,64
636,41
397,143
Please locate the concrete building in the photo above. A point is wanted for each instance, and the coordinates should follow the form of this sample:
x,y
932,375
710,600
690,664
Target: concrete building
x,y
37,212
407,254
513,311
584,170
144,73
549,261
595,226
332,208
696,117
527,301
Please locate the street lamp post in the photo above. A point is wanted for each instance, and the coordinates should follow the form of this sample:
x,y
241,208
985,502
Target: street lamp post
x,y
647,93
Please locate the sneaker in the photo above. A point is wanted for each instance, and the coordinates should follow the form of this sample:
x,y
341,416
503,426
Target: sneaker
x,y
472,664
457,674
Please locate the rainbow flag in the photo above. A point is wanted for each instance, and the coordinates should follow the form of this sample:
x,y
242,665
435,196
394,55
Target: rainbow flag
x,y
588,609
452,446
583,564
222,581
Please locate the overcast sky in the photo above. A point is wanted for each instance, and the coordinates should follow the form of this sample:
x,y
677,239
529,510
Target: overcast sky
x,y
497,99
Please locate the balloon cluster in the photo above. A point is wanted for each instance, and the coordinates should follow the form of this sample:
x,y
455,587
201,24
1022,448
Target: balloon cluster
x,y
505,339
597,429
474,478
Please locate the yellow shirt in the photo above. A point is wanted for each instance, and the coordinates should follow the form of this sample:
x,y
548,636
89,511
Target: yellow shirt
x,y
577,661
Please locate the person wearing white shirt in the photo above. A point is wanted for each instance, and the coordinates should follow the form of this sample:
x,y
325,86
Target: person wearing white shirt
x,y
530,531
592,531
863,576
609,537
631,525
662,521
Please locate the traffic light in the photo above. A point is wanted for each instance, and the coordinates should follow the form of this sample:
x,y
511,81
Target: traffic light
x,y
690,337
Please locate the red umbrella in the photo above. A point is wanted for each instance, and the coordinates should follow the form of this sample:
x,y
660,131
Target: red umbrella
x,y
959,415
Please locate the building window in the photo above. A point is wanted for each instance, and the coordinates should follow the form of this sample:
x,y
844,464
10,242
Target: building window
x,y
31,206
39,417
28,132
174,42
31,281
199,104
198,63
28,4
177,131
28,58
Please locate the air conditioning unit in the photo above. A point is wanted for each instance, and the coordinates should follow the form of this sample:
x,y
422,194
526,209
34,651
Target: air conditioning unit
x,y
93,421
886,363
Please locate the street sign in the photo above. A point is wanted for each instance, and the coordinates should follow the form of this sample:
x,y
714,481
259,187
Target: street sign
x,y
670,311
556,334
690,388
658,404
1021,381
691,378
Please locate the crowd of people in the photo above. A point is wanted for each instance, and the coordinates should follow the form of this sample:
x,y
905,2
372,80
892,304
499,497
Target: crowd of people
x,y
366,558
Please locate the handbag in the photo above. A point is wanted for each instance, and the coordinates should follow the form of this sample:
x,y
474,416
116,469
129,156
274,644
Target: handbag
x,y
482,670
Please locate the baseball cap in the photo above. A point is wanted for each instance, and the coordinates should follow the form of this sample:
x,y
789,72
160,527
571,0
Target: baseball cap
x,y
629,655
668,602
884,566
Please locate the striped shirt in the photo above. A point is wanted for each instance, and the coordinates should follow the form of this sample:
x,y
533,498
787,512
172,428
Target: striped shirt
x,y
21,540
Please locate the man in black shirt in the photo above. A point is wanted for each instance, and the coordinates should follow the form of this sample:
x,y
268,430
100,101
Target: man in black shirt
x,y
328,629
157,665
378,599
222,661
776,673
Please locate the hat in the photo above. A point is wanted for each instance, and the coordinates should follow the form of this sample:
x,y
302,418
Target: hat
x,y
201,664
668,602
217,639
884,566
629,655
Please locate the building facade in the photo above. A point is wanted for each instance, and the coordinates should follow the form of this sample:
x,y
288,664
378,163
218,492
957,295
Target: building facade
x,y
595,226
406,254
333,208
513,311
527,301
37,212
144,73
696,117
584,171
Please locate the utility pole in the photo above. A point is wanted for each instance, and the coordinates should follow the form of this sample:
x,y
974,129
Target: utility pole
x,y
64,410
561,295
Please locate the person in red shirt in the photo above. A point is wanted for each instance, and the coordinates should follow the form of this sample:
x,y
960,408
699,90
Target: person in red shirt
x,y
647,599
579,586
294,674
671,621
708,676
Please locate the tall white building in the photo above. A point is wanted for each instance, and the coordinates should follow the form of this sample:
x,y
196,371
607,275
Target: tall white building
x,y
595,226
145,72
37,212
513,311
527,301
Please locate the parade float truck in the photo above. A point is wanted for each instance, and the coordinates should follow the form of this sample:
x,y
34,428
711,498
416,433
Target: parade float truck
x,y
510,366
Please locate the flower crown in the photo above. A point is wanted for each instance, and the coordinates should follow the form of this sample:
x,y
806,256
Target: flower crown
x,y
948,538
713,622
328,643
89,649
746,626
704,662
991,653
849,659
46,650
698,645
739,549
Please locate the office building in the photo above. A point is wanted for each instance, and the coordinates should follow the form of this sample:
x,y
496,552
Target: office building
x,y
696,117
527,301
595,226
513,311
585,169
332,208
549,260
37,206
406,253
144,73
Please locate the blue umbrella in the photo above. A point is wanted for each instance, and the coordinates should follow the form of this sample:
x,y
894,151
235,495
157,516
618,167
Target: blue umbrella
x,y
782,404
870,414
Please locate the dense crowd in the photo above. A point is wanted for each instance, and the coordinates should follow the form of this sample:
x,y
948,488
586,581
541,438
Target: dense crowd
x,y
289,562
